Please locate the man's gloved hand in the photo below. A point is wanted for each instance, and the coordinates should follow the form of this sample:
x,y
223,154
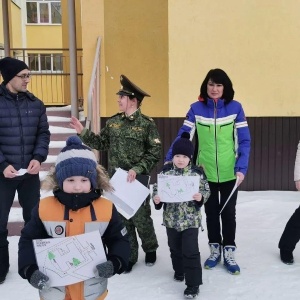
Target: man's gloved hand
x,y
39,280
105,270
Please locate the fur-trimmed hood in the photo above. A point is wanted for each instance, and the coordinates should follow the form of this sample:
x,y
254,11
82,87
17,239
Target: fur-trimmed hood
x,y
50,182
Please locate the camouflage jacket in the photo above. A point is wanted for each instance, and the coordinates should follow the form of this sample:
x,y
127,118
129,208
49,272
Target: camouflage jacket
x,y
183,215
132,142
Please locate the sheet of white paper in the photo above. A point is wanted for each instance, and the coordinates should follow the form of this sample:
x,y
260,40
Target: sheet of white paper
x,y
177,188
127,196
22,172
71,259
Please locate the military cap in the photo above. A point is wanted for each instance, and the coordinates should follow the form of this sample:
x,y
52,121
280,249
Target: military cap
x,y
128,88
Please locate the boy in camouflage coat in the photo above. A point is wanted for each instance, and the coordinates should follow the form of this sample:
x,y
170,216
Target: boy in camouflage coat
x,y
133,144
183,219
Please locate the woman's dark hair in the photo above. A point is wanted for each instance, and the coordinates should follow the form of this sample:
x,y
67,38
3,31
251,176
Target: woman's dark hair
x,y
139,103
218,76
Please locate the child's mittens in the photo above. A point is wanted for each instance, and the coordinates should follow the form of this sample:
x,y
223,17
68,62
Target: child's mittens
x,y
105,270
39,280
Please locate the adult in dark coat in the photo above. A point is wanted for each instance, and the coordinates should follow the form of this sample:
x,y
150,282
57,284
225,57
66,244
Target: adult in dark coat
x,y
24,145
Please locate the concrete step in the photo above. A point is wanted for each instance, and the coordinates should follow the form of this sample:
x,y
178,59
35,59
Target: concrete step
x,y
55,151
14,228
62,111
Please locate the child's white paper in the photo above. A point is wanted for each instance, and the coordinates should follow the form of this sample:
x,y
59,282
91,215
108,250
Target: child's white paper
x,y
177,188
127,196
71,259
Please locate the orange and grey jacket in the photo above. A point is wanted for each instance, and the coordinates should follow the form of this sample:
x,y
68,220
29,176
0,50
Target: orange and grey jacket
x,y
49,220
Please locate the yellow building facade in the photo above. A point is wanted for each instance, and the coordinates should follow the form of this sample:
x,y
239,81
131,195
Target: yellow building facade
x,y
168,46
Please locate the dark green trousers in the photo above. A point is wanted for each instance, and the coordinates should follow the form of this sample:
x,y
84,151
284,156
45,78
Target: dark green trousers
x,y
142,224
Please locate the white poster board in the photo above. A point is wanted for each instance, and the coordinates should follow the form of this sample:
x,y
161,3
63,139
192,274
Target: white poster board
x,y
127,196
173,188
71,259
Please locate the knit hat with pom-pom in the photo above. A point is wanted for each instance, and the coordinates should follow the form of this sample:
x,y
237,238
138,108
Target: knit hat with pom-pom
x,y
183,146
76,159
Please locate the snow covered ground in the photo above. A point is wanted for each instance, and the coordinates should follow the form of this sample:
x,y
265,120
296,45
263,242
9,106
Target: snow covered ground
x,y
261,217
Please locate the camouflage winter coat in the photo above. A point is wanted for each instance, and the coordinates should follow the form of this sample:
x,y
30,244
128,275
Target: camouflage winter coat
x,y
132,142
184,215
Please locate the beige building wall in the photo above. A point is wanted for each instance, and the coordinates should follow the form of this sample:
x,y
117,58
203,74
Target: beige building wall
x,y
44,36
92,25
15,25
168,46
49,88
256,42
136,45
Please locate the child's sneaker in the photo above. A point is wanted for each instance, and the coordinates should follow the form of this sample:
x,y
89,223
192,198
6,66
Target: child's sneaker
x,y
178,277
287,257
191,292
229,260
215,256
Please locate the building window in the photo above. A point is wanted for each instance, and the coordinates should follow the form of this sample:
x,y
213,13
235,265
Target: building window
x,y
43,11
48,63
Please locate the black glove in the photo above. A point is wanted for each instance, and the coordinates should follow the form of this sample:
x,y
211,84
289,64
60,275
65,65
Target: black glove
x,y
198,204
108,268
39,280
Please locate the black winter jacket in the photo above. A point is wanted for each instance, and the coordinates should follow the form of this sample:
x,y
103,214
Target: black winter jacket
x,y
24,129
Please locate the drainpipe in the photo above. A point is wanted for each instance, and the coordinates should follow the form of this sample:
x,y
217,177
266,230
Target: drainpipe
x,y
5,28
73,59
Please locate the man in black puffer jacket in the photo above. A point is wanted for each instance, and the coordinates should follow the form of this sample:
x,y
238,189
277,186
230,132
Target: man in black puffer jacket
x,y
24,145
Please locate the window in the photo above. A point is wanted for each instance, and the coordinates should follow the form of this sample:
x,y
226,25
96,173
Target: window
x,y
43,11
48,63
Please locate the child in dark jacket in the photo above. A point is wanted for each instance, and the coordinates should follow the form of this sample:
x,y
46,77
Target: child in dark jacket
x,y
183,219
75,208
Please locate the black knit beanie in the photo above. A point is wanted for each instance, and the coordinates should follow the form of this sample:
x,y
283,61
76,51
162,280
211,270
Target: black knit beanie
x,y
10,67
183,146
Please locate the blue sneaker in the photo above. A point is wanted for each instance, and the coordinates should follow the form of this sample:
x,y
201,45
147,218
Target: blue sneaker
x,y
229,260
215,256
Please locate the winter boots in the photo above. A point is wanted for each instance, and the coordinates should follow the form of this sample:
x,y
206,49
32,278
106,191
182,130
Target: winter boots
x,y
4,263
191,292
178,277
215,256
129,267
150,258
286,257
229,260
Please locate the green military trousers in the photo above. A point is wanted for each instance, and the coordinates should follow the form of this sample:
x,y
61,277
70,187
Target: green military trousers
x,y
143,223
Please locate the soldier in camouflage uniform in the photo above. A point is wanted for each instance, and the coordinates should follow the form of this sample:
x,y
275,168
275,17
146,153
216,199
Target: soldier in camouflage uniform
x,y
133,144
183,219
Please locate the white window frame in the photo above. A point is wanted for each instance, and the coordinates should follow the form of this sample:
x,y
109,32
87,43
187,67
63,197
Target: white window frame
x,y
40,70
38,2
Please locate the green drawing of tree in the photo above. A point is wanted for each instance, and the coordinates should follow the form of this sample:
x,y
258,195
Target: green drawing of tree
x,y
51,255
76,262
